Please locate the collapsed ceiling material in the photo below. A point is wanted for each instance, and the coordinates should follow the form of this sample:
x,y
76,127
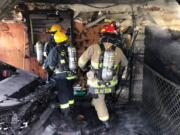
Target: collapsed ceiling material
x,y
156,11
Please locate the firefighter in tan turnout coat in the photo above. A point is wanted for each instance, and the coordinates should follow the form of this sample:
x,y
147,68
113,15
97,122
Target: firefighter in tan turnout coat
x,y
105,59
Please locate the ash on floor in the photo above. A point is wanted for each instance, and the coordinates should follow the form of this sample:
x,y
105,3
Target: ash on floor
x,y
130,120
127,119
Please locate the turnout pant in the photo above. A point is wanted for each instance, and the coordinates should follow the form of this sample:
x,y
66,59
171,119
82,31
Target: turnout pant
x,y
100,107
65,92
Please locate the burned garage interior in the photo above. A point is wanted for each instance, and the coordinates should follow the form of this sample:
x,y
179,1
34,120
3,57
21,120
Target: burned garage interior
x,y
48,55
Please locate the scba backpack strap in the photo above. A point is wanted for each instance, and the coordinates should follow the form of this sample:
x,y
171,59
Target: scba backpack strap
x,y
101,61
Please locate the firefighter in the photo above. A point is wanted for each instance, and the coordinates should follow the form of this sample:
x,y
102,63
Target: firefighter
x,y
62,62
48,46
105,59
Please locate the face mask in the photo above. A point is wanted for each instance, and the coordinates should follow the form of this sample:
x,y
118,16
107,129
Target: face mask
x,y
109,40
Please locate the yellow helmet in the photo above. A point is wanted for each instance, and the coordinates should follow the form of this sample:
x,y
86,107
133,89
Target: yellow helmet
x,y
60,37
55,28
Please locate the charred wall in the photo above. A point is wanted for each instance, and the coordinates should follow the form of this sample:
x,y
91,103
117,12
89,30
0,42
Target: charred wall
x,y
161,79
14,48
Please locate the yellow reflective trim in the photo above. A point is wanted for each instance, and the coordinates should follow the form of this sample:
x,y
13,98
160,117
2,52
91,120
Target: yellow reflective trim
x,y
63,53
71,102
105,118
114,82
62,61
103,91
70,77
96,85
64,106
108,90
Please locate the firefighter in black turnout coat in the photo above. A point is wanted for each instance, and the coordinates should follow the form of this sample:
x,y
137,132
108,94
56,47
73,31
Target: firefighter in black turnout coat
x,y
62,62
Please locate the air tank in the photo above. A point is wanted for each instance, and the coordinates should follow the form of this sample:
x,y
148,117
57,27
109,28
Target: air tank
x,y
72,58
108,65
39,52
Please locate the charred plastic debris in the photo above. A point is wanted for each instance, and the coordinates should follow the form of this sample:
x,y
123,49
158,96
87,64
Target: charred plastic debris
x,y
23,99
28,104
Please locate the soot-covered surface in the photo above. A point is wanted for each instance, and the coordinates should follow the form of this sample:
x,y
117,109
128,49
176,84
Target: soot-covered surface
x,y
125,120
130,120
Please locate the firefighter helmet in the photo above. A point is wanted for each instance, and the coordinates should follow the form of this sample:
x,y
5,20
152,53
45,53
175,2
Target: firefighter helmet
x,y
60,37
109,28
55,28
